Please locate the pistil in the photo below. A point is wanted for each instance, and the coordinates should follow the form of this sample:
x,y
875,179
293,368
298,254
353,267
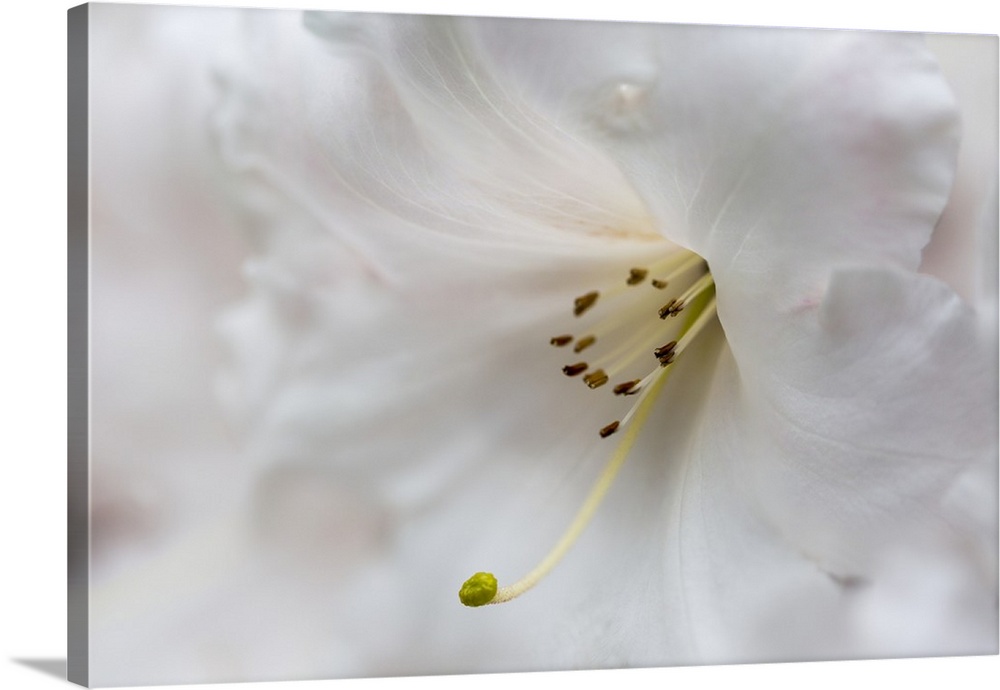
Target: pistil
x,y
626,341
475,590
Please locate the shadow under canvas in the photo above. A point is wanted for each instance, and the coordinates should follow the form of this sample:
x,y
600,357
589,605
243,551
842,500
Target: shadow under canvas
x,y
51,667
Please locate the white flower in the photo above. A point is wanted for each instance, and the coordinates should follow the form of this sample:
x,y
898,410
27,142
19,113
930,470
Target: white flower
x,y
428,197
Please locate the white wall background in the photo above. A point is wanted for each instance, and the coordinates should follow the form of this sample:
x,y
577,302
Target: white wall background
x,y
32,353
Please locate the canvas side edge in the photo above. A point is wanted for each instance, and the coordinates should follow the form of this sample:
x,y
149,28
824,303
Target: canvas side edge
x,y
78,383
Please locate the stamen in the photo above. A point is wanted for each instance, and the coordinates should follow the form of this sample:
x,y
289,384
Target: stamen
x,y
627,388
583,343
627,343
631,341
705,317
665,353
674,265
671,308
477,587
678,264
584,302
702,312
596,379
636,276
674,306
696,288
609,429
561,340
644,390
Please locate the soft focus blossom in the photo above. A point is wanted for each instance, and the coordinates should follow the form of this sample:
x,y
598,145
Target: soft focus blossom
x,y
425,198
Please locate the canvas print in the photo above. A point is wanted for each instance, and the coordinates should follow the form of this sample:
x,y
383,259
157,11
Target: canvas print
x,y
449,345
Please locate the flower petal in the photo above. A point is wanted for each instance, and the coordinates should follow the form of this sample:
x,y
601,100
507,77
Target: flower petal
x,y
342,130
396,242
786,148
837,467
479,204
966,234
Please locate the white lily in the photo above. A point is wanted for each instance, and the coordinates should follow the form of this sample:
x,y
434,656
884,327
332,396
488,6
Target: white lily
x,y
429,196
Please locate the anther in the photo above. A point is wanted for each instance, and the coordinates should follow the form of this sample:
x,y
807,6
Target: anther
x,y
665,353
583,343
636,276
609,429
584,302
596,378
562,340
627,388
671,308
659,284
575,369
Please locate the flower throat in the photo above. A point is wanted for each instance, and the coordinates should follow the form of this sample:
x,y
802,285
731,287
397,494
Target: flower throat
x,y
656,311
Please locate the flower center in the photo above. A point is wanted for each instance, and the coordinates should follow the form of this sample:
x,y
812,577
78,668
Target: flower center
x,y
655,313
642,321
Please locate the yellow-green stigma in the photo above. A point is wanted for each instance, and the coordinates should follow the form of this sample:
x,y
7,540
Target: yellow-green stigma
x,y
478,590
642,322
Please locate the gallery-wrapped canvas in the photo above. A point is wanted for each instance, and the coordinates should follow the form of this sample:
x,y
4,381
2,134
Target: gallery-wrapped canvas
x,y
411,345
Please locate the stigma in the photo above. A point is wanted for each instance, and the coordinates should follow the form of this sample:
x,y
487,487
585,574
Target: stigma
x,y
635,332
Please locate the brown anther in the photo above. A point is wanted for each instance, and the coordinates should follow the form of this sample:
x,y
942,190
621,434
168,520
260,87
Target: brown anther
x,y
609,429
665,349
584,302
583,343
561,340
596,378
575,369
659,284
671,308
636,276
627,388
665,354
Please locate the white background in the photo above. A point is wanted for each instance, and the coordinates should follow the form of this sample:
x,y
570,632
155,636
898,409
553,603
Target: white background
x,y
33,337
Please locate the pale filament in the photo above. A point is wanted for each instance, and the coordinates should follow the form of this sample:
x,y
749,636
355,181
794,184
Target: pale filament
x,y
698,301
703,319
669,269
587,510
631,348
